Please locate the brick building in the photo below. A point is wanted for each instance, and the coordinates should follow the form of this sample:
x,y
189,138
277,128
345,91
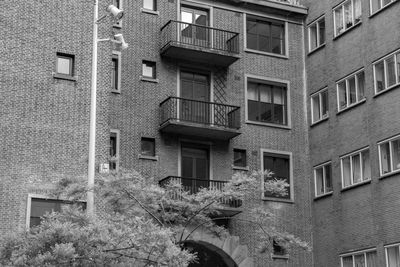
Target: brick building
x,y
208,88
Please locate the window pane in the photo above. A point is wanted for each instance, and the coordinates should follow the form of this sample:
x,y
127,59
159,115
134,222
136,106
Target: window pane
x,y
265,112
393,257
357,11
277,46
114,73
328,178
390,71
319,181
361,85
348,16
252,93
322,32
64,65
379,77
315,108
398,67
352,90
313,36
338,20
385,158
149,4
375,5
356,168
346,171
396,154
366,165
385,2
324,104
342,95
265,93
252,110
148,147
347,261
113,144
359,260
148,69
371,259
239,158
280,168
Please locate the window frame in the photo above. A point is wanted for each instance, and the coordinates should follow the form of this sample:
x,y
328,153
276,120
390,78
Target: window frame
x,y
285,154
116,160
323,166
356,253
117,55
319,94
341,5
381,8
317,23
390,141
285,46
350,156
346,79
267,80
396,55
148,139
71,58
244,151
153,65
386,252
154,2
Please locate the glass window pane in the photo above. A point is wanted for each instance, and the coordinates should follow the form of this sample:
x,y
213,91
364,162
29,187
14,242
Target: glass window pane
x,y
113,144
328,178
253,111
265,93
352,90
396,154
347,261
324,104
371,259
361,85
321,31
356,168
357,11
252,92
366,165
359,260
385,158
342,95
239,158
319,181
149,4
398,67
348,16
148,69
148,147
277,46
379,77
64,65
393,257
313,36
265,112
315,108
390,71
375,5
385,2
346,172
339,21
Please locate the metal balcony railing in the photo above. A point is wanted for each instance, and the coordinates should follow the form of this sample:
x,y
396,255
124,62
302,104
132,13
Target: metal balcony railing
x,y
202,112
193,186
197,35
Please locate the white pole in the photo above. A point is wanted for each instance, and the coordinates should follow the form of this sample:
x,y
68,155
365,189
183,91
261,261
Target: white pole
x,y
92,129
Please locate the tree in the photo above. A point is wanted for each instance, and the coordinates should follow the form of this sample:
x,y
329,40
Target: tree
x,y
137,223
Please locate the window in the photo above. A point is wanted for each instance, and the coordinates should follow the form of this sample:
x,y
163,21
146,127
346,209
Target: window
x,y
65,64
118,4
41,206
279,164
387,72
319,105
148,147
350,90
360,259
376,5
239,158
278,250
267,102
150,5
392,255
356,168
323,179
265,35
116,72
389,156
148,69
316,34
114,150
346,15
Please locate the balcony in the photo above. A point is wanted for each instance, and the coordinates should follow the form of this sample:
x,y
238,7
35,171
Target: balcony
x,y
180,40
199,118
193,186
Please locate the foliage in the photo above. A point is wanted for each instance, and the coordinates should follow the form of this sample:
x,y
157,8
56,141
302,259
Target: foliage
x,y
137,223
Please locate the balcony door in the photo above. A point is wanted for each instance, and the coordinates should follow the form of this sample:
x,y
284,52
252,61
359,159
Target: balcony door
x,y
195,91
194,25
195,167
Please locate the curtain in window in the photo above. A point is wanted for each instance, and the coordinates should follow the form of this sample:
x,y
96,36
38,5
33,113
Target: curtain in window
x,y
342,94
319,180
339,20
328,179
321,32
346,171
393,257
352,90
390,71
360,85
366,165
347,261
348,15
356,164
398,67
359,260
324,103
357,11
371,259
380,77
396,154
385,158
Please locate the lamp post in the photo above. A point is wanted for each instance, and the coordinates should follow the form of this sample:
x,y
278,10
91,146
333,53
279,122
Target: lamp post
x,y
117,13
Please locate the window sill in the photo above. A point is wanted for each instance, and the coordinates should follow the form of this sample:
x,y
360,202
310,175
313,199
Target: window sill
x,y
323,196
387,89
274,199
149,11
389,174
347,30
383,8
238,168
286,127
356,185
316,49
352,106
64,77
146,79
115,91
320,121
118,25
280,257
266,53
154,158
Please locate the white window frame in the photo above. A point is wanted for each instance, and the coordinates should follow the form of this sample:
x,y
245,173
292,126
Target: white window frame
x,y
356,253
286,36
323,166
117,54
71,59
291,186
317,23
382,6
341,5
118,24
346,80
351,155
261,79
390,141
319,95
386,253
117,152
396,69
154,4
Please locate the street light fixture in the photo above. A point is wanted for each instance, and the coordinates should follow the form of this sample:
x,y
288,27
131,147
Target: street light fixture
x,y
117,14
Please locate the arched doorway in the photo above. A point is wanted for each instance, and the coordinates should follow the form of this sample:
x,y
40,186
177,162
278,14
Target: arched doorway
x,y
209,255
